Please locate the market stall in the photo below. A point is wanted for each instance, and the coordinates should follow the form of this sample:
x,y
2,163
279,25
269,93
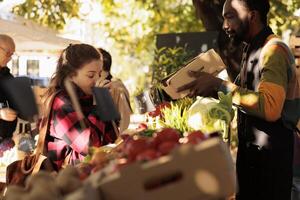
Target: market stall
x,y
30,37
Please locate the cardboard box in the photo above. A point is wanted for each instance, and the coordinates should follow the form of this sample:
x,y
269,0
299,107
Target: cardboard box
x,y
209,62
205,171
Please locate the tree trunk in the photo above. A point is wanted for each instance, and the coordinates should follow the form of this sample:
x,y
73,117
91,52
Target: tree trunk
x,y
210,13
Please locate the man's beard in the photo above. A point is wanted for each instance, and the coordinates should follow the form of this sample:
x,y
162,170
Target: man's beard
x,y
241,34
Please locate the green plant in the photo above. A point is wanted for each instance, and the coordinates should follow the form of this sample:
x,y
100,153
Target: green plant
x,y
176,115
168,60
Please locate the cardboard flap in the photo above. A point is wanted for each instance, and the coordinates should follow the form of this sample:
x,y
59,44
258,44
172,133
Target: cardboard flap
x,y
20,96
209,62
105,105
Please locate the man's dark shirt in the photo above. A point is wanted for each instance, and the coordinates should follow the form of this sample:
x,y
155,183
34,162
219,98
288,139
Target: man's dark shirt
x,y
264,160
6,127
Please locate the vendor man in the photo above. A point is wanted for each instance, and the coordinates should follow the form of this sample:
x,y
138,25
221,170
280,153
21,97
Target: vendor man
x,y
266,93
8,117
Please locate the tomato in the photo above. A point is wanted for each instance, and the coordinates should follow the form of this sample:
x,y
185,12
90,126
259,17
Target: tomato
x,y
142,126
167,134
195,137
158,108
148,154
166,147
134,147
154,113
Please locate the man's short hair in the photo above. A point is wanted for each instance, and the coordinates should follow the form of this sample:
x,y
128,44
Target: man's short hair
x,y
262,6
106,59
7,39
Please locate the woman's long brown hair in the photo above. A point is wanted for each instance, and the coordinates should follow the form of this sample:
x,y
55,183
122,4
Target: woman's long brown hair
x,y
71,59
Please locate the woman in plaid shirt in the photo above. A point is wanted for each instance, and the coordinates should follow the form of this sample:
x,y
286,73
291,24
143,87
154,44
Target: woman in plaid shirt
x,y
66,136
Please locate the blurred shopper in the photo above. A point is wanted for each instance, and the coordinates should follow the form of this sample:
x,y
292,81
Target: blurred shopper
x,y
80,63
117,89
267,96
8,117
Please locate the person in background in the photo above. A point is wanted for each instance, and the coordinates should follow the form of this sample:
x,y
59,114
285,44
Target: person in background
x,y
266,94
67,137
117,89
296,177
8,116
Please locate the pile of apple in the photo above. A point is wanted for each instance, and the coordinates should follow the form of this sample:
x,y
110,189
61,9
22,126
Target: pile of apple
x,y
135,148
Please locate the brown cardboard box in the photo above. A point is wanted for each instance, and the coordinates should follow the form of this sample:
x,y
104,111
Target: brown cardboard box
x,y
209,62
205,171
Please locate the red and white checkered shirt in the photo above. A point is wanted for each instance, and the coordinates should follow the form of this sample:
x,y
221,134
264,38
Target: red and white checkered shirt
x,y
65,134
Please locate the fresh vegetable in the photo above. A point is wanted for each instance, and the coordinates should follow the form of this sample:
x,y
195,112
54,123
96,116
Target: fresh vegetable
x,y
196,137
175,116
147,133
166,147
158,109
209,115
134,146
148,154
167,134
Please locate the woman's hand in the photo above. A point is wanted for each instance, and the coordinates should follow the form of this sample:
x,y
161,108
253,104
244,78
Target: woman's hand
x,y
102,83
8,114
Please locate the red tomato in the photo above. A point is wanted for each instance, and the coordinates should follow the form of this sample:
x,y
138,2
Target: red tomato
x,y
154,113
134,147
162,106
148,154
125,143
166,147
167,134
158,108
142,126
195,137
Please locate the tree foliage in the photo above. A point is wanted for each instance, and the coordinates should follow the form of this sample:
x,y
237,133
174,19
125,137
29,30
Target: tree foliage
x,y
134,24
51,13
167,61
281,16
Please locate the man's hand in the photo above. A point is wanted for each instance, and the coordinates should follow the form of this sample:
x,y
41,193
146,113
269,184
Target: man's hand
x,y
204,85
7,114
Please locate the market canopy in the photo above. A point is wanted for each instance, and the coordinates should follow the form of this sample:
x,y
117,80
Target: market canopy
x,y
31,38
